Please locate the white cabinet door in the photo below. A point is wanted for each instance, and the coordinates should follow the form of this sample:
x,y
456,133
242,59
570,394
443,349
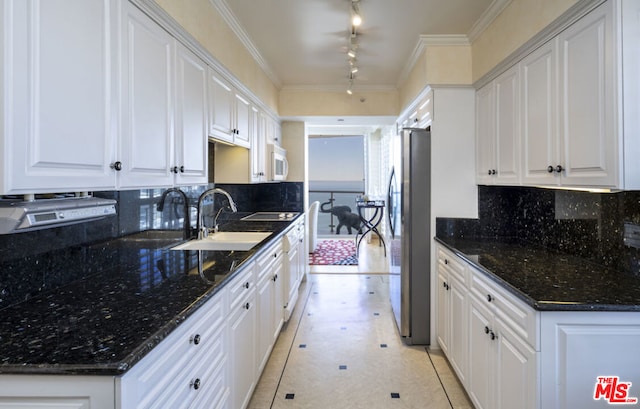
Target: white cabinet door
x,y
58,84
221,100
265,303
515,370
507,139
481,355
242,128
444,313
278,294
258,148
485,135
146,149
587,108
539,116
56,392
242,332
458,328
190,163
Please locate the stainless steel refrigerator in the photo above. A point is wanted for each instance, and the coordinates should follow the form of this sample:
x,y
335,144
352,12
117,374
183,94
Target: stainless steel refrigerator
x,y
409,208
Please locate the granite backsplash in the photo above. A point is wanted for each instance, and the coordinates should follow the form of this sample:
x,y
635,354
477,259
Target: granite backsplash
x,y
44,260
600,227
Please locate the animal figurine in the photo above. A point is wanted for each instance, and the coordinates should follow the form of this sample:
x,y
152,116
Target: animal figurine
x,y
345,217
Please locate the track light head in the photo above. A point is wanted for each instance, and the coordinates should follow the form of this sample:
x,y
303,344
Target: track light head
x,y
356,18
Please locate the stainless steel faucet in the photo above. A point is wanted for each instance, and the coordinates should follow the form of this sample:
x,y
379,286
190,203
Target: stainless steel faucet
x,y
185,199
202,229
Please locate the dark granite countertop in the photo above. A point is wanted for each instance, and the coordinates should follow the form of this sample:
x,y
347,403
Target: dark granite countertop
x,y
548,280
105,322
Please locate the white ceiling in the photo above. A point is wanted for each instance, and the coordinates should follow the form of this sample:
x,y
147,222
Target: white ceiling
x,y
303,43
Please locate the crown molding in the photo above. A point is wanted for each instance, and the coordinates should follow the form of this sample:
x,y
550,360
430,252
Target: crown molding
x,y
430,40
227,15
490,14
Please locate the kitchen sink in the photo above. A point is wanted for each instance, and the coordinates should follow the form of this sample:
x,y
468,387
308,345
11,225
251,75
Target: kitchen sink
x,y
225,241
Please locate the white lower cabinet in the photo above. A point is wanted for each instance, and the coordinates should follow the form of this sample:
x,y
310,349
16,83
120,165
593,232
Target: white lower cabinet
x,y
184,365
581,347
489,337
56,392
269,268
295,261
453,316
242,330
522,358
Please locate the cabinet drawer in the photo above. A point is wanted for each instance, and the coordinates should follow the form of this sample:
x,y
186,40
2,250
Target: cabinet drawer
x,y
453,264
241,286
194,379
521,318
265,262
148,380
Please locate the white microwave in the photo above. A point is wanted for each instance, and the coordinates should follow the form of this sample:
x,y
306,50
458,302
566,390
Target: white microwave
x,y
278,165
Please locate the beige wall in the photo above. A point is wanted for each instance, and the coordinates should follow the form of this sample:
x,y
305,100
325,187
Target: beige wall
x,y
205,24
518,22
293,140
438,65
296,102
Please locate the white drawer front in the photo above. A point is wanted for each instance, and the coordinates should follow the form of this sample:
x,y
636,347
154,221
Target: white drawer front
x,y
522,319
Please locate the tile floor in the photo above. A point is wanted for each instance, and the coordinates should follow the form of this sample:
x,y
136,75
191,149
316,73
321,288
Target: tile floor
x,y
341,349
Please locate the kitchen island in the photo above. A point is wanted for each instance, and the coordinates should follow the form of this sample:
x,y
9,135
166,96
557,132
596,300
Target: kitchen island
x,y
552,330
86,338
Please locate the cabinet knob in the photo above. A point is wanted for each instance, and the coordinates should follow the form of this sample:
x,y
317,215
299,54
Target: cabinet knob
x,y
492,335
275,278
117,166
247,306
246,285
195,384
489,297
182,169
559,168
195,339
550,169
486,329
446,261
275,255
489,172
174,169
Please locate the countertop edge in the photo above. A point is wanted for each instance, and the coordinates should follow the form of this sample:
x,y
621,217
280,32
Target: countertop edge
x,y
538,305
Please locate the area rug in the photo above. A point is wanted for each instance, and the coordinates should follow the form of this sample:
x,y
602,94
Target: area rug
x,y
334,252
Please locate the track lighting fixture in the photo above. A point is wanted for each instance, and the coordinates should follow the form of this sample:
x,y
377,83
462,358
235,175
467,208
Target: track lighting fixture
x,y
356,21
356,18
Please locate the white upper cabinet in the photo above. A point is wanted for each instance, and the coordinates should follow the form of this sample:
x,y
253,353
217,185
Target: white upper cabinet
x,y
497,133
58,85
97,97
221,100
507,133
578,103
190,164
540,148
588,130
485,131
146,149
229,112
243,121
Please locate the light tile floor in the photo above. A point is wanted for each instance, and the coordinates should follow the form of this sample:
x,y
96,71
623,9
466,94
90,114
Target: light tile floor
x,y
341,349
